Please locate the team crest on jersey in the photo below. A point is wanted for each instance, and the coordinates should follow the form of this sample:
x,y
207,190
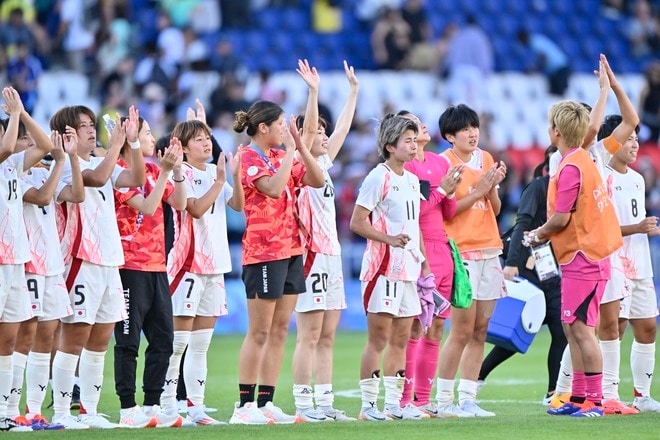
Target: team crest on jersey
x,y
252,170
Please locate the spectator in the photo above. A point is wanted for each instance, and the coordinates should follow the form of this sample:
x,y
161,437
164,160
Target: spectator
x,y
643,30
225,61
548,58
390,40
649,103
423,55
76,39
469,62
171,42
14,31
23,71
198,80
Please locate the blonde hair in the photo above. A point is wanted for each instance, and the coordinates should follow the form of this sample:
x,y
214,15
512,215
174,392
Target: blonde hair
x,y
572,121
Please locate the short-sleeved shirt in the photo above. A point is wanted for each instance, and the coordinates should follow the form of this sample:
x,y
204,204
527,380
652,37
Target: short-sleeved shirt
x,y
91,233
200,244
14,247
316,211
142,236
41,226
271,230
393,201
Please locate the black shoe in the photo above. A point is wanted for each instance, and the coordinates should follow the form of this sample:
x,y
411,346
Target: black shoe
x,y
75,397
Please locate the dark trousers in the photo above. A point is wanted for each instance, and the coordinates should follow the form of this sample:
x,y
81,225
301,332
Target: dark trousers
x,y
149,307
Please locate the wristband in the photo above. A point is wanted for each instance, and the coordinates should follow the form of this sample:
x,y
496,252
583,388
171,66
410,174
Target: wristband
x,y
183,178
134,145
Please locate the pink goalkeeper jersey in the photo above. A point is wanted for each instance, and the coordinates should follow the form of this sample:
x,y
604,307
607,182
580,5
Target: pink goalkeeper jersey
x,y
316,211
394,204
41,226
200,244
13,236
91,233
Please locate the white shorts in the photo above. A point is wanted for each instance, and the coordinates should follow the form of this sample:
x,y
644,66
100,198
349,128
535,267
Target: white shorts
x,y
48,296
14,297
397,298
95,294
618,287
324,282
642,303
199,295
486,278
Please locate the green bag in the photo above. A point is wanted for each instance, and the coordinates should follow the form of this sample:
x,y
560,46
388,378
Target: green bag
x,y
461,289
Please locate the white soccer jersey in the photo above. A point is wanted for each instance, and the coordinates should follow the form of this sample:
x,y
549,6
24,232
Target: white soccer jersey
x,y
597,151
41,226
201,245
629,203
394,204
14,247
316,211
91,231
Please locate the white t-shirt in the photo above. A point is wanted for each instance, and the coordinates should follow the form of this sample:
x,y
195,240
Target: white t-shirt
x,y
14,247
41,226
628,195
394,204
91,231
316,210
200,244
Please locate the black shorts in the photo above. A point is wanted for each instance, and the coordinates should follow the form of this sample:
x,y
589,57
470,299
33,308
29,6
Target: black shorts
x,y
273,279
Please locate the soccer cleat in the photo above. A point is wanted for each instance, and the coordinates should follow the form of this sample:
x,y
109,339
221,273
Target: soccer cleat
x,y
276,414
558,400
7,424
69,422
470,407
566,409
164,419
249,414
338,415
589,409
646,404
201,418
547,399
135,418
40,423
409,412
97,421
75,397
372,414
310,415
430,408
614,406
452,411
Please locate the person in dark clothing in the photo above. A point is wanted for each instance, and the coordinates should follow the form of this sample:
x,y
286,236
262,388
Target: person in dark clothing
x,y
532,213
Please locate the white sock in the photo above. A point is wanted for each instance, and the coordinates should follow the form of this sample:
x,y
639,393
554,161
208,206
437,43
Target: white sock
x,y
444,392
19,360
168,397
303,397
565,378
393,389
64,371
369,389
36,381
611,351
642,364
91,379
467,390
6,377
323,395
195,370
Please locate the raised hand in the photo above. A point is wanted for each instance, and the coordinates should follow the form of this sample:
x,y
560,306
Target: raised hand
x,y
487,181
350,75
601,73
610,74
70,141
198,114
295,134
179,151
118,134
235,163
287,136
310,75
452,179
13,104
58,150
169,158
221,172
132,124
500,173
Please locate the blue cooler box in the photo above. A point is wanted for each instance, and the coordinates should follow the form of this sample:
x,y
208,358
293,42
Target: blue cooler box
x,y
517,317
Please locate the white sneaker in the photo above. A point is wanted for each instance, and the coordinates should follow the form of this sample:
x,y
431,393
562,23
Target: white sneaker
x,y
199,417
277,415
338,415
135,418
69,422
471,407
182,406
546,399
164,419
372,414
7,424
409,412
97,421
310,415
646,404
249,415
430,408
452,411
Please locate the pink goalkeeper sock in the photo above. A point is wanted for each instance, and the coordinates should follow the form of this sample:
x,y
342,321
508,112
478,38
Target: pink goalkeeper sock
x,y
594,391
425,370
579,387
411,358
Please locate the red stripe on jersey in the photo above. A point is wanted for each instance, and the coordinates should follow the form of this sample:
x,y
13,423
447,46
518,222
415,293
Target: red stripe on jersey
x,y
372,284
309,262
73,273
176,281
75,246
